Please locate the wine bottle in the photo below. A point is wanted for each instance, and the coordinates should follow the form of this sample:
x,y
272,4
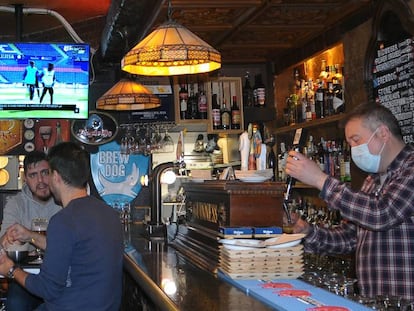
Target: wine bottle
x,y
319,101
328,107
259,91
235,114
215,112
247,93
192,104
225,115
338,100
202,102
183,97
271,162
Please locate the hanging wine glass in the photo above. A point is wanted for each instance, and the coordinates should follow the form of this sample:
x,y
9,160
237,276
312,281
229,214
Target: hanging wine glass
x,y
167,142
156,139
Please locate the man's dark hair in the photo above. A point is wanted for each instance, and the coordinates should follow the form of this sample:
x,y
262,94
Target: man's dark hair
x,y
33,158
373,115
71,162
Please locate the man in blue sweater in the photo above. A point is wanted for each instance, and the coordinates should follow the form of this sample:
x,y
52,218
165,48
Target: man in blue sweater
x,y
82,267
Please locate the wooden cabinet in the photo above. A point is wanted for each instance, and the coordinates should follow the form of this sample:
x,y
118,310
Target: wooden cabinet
x,y
225,89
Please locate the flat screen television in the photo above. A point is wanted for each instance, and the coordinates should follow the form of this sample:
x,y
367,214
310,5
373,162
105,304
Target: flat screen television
x,y
44,80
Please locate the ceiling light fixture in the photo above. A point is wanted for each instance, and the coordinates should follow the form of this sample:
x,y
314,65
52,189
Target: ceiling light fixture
x,y
128,95
169,50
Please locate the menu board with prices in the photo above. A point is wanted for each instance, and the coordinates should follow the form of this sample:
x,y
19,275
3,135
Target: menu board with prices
x,y
393,78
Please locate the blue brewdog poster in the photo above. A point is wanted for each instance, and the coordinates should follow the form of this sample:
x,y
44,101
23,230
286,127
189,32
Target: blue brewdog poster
x,y
117,175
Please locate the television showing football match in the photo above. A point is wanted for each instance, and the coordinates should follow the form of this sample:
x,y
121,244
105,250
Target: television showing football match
x,y
44,80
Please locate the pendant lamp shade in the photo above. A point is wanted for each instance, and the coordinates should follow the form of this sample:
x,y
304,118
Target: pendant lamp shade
x,y
169,50
128,95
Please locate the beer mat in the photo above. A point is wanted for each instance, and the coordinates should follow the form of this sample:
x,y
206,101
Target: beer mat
x,y
282,266
294,293
328,308
276,285
265,260
236,232
249,252
319,299
266,232
261,275
241,244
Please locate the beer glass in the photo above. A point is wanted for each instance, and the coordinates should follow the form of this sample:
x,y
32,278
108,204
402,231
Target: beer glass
x,y
39,225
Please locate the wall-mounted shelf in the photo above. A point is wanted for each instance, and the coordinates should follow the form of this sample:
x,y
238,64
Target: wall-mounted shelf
x,y
309,124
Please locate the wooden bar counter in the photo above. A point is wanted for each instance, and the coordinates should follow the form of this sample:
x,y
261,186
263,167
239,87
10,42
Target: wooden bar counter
x,y
158,277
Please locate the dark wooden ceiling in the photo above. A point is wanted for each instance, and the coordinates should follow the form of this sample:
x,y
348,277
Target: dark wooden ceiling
x,y
260,30
244,31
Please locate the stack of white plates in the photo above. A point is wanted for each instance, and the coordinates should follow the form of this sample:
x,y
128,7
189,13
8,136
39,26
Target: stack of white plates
x,y
254,175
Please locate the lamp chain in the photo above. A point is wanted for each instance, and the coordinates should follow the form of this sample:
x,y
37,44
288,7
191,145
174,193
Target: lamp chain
x,y
170,11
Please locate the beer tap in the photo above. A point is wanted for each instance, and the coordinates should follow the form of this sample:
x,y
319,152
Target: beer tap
x,y
298,141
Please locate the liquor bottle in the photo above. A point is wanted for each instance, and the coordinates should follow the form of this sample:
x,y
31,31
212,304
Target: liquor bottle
x,y
259,91
247,93
302,96
345,165
281,163
319,101
271,163
202,102
183,97
308,109
311,98
235,114
215,112
225,115
192,104
298,105
328,104
338,100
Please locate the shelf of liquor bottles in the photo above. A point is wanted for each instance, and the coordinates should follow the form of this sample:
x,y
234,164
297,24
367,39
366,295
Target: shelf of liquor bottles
x,y
331,153
216,102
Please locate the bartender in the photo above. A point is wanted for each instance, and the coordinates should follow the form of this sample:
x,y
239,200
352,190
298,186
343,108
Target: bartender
x,y
378,219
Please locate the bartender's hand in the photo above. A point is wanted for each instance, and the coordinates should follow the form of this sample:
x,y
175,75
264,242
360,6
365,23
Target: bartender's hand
x,y
305,170
299,225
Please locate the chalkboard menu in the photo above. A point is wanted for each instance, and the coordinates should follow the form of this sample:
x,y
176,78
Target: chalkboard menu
x,y
393,78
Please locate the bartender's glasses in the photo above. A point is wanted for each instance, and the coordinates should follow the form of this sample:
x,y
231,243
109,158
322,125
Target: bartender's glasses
x,y
39,225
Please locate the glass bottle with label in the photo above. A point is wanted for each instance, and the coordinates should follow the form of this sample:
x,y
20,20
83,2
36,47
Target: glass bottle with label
x,y
192,105
319,100
259,91
183,97
247,93
215,112
235,115
202,102
225,116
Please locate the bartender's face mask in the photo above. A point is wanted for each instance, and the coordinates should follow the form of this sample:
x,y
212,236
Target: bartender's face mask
x,y
364,159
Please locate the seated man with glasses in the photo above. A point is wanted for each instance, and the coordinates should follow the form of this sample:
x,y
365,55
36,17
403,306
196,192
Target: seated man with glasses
x,y
34,201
